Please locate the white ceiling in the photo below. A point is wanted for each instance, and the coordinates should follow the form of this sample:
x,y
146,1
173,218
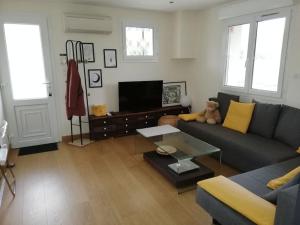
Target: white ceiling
x,y
162,5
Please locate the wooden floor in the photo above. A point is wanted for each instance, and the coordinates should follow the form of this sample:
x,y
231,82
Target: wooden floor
x,y
105,183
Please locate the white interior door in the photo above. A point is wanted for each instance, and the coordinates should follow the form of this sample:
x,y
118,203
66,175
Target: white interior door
x,y
26,80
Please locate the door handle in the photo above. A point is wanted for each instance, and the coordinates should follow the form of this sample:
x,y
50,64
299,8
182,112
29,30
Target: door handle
x,y
49,88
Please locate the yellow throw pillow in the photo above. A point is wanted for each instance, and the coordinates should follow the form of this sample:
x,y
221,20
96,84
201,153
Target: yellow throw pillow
x,y
99,110
189,117
298,150
239,116
278,182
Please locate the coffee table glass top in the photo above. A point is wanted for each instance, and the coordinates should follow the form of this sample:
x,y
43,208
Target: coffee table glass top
x,y
186,145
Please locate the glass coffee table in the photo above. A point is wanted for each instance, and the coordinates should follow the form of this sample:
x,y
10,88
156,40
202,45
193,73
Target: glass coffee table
x,y
173,153
184,148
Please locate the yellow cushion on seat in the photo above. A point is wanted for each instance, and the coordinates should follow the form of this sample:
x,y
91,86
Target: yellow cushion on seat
x,y
248,204
278,182
239,116
189,117
298,150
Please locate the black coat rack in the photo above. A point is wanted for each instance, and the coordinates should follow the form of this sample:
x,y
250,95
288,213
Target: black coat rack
x,y
74,50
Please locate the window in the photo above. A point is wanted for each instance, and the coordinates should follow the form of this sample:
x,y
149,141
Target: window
x,y
268,51
237,54
139,42
26,61
256,48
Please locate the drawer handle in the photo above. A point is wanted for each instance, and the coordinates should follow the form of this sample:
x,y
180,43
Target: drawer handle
x,y
104,128
146,117
146,122
126,119
104,122
126,131
104,135
126,125
165,114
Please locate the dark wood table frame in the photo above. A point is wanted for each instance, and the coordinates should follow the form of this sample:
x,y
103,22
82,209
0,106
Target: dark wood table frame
x,y
182,182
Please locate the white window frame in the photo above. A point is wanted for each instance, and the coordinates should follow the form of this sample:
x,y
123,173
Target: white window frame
x,y
253,21
153,58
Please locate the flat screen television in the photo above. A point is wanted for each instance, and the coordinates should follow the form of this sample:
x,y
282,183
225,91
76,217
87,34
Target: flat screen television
x,y
138,96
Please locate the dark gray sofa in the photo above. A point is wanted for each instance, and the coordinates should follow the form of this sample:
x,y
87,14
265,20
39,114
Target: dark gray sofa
x,y
243,152
255,181
273,135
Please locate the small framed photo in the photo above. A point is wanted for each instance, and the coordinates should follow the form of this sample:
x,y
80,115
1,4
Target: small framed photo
x,y
88,51
110,58
172,93
95,78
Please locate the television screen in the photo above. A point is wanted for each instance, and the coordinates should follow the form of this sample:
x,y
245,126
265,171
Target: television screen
x,y
140,96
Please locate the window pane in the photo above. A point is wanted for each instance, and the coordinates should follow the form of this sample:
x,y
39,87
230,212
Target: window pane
x,y
26,61
270,34
148,42
238,40
139,41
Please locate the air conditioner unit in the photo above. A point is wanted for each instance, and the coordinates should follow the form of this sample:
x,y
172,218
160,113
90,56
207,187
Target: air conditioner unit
x,y
77,23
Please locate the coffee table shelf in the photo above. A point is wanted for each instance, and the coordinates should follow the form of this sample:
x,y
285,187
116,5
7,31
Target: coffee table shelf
x,y
188,179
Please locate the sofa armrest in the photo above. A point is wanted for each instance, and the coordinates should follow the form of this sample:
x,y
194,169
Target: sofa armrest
x,y
240,199
286,206
219,211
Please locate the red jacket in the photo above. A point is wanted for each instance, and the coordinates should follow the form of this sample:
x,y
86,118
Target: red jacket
x,y
74,93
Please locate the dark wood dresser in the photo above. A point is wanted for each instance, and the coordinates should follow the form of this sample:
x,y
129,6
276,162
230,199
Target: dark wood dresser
x,y
122,124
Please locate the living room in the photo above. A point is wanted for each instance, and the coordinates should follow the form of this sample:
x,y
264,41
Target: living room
x,y
134,161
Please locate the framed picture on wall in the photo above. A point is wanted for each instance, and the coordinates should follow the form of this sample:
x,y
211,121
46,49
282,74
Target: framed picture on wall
x,y
110,58
88,51
172,93
95,78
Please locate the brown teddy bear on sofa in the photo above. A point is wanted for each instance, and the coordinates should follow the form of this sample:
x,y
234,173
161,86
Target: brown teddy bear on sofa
x,y
211,114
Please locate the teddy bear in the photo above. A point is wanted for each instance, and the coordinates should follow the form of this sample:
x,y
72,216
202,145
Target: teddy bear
x,y
211,114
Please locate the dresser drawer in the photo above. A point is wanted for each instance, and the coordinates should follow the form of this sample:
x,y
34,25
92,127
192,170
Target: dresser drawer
x,y
103,129
101,135
101,122
117,121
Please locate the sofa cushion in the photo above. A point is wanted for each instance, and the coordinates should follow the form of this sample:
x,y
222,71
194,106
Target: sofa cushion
x,y
239,116
256,180
224,101
189,117
272,196
244,152
261,124
280,181
288,127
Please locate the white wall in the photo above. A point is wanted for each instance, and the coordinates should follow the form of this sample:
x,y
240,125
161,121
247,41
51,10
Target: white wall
x,y
203,81
2,117
165,69
207,68
202,74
